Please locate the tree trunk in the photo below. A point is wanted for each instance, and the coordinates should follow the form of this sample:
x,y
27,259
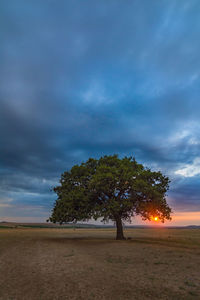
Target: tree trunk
x,y
120,234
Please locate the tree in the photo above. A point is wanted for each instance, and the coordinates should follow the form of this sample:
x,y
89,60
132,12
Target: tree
x,y
112,189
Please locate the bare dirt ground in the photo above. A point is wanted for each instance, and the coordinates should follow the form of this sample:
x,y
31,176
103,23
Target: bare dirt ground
x,y
89,264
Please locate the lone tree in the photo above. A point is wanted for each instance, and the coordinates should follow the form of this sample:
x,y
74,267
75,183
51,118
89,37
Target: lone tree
x,y
113,189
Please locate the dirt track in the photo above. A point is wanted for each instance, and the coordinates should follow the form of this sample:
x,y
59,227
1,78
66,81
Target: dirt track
x,y
90,264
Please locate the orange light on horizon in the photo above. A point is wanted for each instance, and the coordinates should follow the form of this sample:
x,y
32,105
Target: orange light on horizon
x,y
179,218
156,219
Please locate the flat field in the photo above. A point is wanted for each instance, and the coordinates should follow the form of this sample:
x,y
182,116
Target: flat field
x,y
90,264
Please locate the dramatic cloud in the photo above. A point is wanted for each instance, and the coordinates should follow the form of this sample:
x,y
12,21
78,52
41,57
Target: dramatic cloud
x,y
190,170
88,78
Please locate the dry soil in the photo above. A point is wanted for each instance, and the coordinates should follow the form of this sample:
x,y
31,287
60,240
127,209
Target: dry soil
x,y
90,264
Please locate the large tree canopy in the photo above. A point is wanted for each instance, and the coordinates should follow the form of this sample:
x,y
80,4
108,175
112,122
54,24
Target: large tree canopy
x,y
112,189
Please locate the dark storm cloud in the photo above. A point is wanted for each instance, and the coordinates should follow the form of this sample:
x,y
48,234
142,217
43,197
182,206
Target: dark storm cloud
x,y
89,78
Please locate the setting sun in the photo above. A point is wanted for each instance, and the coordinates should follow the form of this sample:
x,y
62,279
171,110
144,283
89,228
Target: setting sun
x,y
155,219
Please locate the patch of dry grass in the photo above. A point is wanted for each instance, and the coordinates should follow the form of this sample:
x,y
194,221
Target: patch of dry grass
x,y
90,264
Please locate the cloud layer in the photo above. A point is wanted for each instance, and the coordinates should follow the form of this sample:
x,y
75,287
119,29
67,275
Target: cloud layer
x,y
88,78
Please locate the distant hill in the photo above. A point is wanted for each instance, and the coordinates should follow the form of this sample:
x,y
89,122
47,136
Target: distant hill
x,y
193,226
5,224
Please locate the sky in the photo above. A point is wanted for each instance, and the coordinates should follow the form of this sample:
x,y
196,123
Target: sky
x,y
82,79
